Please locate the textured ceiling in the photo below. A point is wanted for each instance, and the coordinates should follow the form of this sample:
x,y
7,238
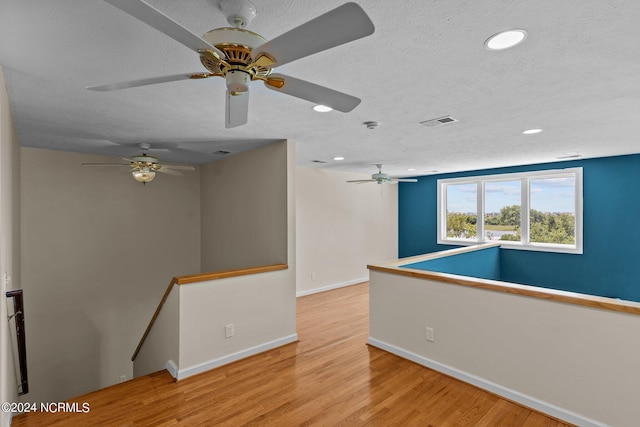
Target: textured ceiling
x,y
577,76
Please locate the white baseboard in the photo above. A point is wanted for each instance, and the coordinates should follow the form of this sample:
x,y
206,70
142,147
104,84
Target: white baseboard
x,y
172,368
215,363
330,287
507,393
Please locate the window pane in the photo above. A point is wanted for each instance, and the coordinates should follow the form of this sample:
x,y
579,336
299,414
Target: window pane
x,y
502,210
462,209
552,214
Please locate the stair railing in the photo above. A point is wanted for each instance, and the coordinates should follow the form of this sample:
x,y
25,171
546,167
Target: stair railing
x,y
18,316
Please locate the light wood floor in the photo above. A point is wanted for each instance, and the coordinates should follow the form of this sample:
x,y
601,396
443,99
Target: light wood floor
x,y
329,378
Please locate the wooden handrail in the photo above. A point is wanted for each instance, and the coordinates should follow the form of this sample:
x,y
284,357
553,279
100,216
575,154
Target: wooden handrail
x,y
593,301
203,277
18,315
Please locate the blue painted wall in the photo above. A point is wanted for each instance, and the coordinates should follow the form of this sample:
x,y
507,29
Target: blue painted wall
x,y
484,263
610,264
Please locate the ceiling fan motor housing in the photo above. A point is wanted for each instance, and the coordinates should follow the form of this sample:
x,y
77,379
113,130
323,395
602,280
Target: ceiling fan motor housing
x,y
380,177
237,66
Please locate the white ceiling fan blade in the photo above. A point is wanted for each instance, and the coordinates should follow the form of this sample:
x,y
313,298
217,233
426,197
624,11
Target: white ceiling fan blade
x,y
313,93
236,109
163,169
407,180
179,167
361,181
106,164
161,22
338,26
141,82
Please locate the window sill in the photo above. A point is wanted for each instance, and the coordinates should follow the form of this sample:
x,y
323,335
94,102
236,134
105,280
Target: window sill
x,y
538,247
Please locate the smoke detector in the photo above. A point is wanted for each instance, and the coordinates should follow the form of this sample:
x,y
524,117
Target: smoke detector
x,y
371,125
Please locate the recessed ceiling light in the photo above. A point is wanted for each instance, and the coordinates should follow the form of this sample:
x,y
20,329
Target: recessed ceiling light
x,y
338,158
531,131
322,108
505,39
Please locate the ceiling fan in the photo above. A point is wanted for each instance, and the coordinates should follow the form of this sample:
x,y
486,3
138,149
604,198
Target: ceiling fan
x,y
144,167
241,56
382,178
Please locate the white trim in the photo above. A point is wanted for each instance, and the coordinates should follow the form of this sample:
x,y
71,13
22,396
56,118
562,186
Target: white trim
x,y
233,357
507,393
330,287
525,196
480,211
172,368
9,417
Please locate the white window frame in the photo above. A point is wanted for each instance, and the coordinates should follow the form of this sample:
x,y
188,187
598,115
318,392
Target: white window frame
x,y
524,178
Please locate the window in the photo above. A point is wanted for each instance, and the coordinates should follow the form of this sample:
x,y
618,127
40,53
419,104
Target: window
x,y
462,211
534,211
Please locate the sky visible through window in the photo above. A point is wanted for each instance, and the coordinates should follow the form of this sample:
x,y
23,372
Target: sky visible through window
x,y
547,195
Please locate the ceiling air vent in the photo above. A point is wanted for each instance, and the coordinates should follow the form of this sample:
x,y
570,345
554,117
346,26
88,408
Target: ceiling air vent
x,y
221,152
318,161
439,121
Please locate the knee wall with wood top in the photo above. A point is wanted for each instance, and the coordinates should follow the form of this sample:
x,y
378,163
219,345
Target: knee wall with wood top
x,y
569,355
187,335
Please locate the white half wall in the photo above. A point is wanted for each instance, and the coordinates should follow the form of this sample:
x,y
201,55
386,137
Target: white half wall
x,y
574,362
341,228
261,308
98,251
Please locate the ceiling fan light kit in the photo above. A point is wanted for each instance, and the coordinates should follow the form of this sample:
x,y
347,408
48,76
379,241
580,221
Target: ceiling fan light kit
x,y
242,56
144,167
144,175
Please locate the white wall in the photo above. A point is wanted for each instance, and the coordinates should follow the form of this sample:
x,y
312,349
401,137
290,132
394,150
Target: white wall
x,y
9,244
262,307
244,209
98,251
574,362
341,228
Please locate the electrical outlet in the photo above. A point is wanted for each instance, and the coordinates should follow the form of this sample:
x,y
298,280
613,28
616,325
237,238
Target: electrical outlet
x,y
123,378
228,330
313,276
431,334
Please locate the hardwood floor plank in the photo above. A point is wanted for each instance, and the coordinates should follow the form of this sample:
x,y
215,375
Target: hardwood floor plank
x,y
329,378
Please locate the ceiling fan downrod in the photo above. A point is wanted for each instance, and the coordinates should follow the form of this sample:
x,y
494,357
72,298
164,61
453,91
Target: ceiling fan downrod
x,y
239,13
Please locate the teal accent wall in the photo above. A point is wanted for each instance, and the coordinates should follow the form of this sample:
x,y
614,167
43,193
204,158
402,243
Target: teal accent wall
x,y
610,263
483,263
